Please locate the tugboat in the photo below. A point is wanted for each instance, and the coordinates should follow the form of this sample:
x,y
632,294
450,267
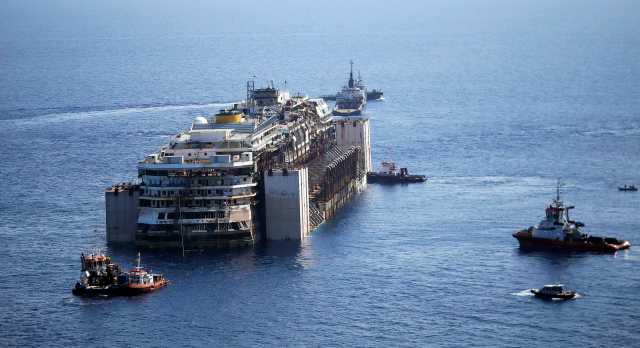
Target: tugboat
x,y
631,188
140,281
375,94
554,291
99,276
350,101
389,175
557,232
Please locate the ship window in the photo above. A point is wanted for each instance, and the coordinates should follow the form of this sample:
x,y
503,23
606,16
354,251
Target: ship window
x,y
354,124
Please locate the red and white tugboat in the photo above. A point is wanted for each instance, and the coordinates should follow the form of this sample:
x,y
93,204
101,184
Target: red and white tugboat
x,y
557,232
140,281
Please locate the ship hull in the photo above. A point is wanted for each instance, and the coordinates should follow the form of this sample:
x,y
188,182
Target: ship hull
x,y
93,291
563,296
371,95
348,112
115,290
394,179
528,242
132,290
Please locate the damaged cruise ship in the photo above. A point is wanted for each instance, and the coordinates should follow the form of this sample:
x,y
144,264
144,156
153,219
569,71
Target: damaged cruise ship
x,y
231,178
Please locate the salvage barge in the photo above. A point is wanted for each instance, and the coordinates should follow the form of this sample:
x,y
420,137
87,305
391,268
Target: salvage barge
x,y
272,167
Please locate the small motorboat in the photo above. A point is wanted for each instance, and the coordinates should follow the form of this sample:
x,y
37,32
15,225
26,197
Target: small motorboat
x,y
630,188
554,291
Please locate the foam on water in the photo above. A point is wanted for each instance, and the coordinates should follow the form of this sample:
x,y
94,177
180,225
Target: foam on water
x,y
58,117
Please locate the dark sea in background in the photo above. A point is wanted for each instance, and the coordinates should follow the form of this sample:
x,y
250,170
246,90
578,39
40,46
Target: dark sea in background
x,y
493,100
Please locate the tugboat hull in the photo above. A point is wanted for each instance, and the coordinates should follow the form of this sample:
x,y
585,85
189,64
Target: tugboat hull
x,y
133,290
607,245
394,179
125,290
93,291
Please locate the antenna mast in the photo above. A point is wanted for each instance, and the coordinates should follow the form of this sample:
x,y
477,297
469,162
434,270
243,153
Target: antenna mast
x,y
351,84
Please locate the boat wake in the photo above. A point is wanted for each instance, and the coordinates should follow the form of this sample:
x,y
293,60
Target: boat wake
x,y
55,115
523,293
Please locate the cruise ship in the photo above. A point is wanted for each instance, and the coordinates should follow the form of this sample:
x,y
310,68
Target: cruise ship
x,y
202,184
206,187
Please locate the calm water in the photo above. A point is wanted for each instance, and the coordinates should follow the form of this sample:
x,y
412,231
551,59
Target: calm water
x,y
492,100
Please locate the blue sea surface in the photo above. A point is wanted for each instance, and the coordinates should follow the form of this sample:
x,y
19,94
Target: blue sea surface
x,y
492,100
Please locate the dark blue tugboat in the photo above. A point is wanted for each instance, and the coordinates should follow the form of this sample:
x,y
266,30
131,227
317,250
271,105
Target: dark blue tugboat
x,y
389,175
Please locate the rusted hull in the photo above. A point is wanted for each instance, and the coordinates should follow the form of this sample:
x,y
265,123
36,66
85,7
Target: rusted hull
x,y
528,242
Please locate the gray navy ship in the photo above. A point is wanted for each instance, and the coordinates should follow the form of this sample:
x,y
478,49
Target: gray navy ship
x,y
350,101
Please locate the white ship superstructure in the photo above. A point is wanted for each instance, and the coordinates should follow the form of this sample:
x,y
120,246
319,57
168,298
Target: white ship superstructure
x,y
201,188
